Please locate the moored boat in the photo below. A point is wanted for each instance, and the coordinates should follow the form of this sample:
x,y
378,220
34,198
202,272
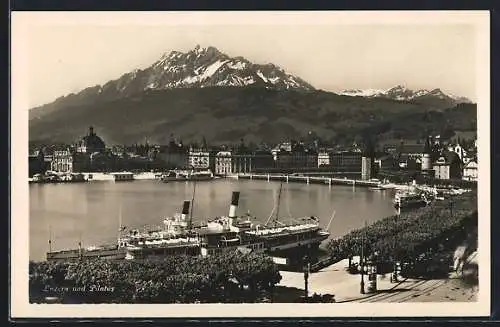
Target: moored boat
x,y
410,199
178,235
187,175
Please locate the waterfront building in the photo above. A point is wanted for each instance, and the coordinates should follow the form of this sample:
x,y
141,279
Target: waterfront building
x,y
223,164
37,163
242,163
91,143
448,166
174,155
323,159
311,158
248,162
262,160
199,159
470,171
346,162
299,158
366,168
62,161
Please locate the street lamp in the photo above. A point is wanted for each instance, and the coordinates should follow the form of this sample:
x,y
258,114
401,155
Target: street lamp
x,y
307,269
394,276
362,263
362,267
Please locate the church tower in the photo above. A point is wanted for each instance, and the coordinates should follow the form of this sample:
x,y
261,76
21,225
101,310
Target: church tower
x,y
426,158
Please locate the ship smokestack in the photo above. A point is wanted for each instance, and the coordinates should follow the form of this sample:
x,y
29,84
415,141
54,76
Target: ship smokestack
x,y
185,210
234,204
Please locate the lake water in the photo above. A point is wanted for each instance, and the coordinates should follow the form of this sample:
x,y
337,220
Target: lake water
x,y
90,211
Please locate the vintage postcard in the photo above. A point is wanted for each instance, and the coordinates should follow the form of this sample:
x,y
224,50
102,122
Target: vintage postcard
x,y
250,164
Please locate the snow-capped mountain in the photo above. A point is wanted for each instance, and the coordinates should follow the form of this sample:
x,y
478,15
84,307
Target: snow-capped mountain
x,y
401,93
205,67
202,67
197,68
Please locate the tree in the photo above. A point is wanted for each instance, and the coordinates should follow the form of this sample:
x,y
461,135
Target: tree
x,y
172,279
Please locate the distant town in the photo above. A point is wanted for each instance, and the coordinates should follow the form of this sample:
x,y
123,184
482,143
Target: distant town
x,y
430,159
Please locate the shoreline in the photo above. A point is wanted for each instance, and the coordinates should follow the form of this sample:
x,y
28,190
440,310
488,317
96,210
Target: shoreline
x,y
376,185
143,176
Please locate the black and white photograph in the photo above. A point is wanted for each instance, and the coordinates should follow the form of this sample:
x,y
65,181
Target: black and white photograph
x,y
239,164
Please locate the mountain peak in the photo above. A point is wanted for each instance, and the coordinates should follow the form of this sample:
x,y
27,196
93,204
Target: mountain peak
x,y
398,88
209,67
210,50
436,91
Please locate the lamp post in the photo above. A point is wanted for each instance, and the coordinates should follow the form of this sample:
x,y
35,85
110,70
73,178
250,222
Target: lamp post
x,y
394,276
362,262
362,266
307,268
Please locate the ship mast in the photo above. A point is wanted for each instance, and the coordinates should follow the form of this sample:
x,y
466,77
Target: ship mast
x,y
190,224
119,224
80,244
278,205
50,238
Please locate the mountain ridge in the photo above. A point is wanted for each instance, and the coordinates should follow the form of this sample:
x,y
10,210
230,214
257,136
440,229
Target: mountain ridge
x,y
196,68
402,93
227,114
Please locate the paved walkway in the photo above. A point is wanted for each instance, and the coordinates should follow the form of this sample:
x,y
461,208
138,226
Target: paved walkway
x,y
345,287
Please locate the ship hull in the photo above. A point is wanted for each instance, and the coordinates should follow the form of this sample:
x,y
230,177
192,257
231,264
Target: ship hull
x,y
183,179
113,253
410,205
292,252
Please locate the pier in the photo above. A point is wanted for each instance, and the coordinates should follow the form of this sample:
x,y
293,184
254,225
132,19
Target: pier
x,y
309,179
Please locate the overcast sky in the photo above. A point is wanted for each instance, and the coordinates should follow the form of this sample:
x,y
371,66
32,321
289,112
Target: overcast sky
x,y
70,51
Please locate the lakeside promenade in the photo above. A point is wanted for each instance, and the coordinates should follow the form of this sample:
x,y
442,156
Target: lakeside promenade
x,y
345,287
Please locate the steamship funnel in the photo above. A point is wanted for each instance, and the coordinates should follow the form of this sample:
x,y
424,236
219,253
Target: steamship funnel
x,y
234,204
185,210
